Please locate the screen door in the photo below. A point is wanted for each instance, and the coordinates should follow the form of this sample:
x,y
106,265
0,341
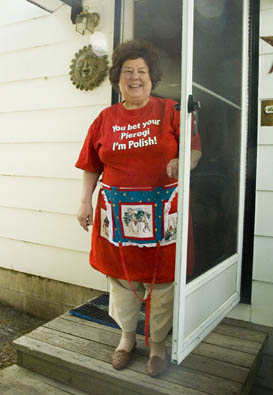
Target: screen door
x,y
203,50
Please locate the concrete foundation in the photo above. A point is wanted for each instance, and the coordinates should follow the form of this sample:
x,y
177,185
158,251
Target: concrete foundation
x,y
41,297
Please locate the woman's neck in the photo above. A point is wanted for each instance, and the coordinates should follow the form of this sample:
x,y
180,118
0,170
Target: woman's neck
x,y
135,104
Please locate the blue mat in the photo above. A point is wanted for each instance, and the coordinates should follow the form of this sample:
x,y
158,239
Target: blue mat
x,y
97,311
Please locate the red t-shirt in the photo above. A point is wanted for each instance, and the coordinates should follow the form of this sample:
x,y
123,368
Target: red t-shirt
x,y
132,149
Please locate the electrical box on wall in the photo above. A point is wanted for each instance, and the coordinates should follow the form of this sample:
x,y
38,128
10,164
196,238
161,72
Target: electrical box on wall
x,y
267,113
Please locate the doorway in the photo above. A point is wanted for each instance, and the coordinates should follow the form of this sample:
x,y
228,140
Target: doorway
x,y
213,39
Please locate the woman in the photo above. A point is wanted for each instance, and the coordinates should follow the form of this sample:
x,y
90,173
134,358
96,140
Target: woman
x,y
135,145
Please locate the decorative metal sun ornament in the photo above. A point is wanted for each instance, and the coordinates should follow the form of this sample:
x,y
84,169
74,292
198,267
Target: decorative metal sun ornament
x,y
87,69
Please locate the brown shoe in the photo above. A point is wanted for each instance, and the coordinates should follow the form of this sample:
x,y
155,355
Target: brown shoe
x,y
121,358
157,366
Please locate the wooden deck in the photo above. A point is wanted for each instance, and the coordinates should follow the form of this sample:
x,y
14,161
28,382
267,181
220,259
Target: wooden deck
x,y
77,352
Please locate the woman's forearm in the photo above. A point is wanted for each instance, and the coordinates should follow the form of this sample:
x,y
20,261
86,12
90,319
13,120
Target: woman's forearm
x,y
88,186
195,157
85,212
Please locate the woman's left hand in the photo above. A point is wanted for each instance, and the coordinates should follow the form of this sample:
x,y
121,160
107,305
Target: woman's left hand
x,y
172,168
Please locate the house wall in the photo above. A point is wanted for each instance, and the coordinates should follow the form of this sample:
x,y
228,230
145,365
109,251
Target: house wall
x,y
260,311
43,122
262,286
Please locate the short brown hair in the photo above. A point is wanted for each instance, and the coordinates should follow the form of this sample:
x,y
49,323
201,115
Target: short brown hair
x,y
135,49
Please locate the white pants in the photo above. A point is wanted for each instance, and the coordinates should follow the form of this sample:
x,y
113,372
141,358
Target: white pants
x,y
124,306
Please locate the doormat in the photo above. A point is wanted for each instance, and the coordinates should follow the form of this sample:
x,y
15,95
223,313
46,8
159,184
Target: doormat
x,y
97,311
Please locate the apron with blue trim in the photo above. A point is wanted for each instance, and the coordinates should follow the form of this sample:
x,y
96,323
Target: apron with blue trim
x,y
139,217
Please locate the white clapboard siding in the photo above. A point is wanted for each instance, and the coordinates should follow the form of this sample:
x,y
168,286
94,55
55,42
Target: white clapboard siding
x,y
18,11
262,291
56,230
56,27
261,306
263,259
40,61
18,36
55,263
43,61
264,214
43,194
265,86
266,4
52,92
265,48
266,18
60,196
264,168
49,5
54,125
49,29
265,135
41,160
43,122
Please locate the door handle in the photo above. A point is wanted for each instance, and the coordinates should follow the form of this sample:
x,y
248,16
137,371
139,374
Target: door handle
x,y
193,107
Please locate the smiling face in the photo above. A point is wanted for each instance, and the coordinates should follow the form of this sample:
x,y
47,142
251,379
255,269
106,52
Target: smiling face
x,y
135,83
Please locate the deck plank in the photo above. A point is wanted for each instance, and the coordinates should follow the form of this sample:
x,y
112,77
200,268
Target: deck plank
x,y
78,351
98,333
175,375
111,337
73,343
91,324
17,380
216,368
238,358
233,343
241,333
58,361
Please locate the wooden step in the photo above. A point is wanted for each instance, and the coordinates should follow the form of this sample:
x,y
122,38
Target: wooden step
x,y
77,352
15,380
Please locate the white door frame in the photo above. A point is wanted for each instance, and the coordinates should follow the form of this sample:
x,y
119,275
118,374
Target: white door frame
x,y
184,186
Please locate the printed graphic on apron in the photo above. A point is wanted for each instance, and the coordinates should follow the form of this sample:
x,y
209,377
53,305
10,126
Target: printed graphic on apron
x,y
137,221
104,224
170,227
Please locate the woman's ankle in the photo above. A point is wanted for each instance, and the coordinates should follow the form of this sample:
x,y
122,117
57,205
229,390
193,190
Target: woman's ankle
x,y
158,349
127,341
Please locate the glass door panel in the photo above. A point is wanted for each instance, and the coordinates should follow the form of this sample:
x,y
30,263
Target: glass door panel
x,y
217,49
217,63
215,182
217,84
159,21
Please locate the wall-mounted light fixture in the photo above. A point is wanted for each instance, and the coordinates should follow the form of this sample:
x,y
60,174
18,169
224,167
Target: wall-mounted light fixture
x,y
86,21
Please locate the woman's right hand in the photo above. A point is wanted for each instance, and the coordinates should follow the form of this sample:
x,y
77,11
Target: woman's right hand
x,y
172,168
85,215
